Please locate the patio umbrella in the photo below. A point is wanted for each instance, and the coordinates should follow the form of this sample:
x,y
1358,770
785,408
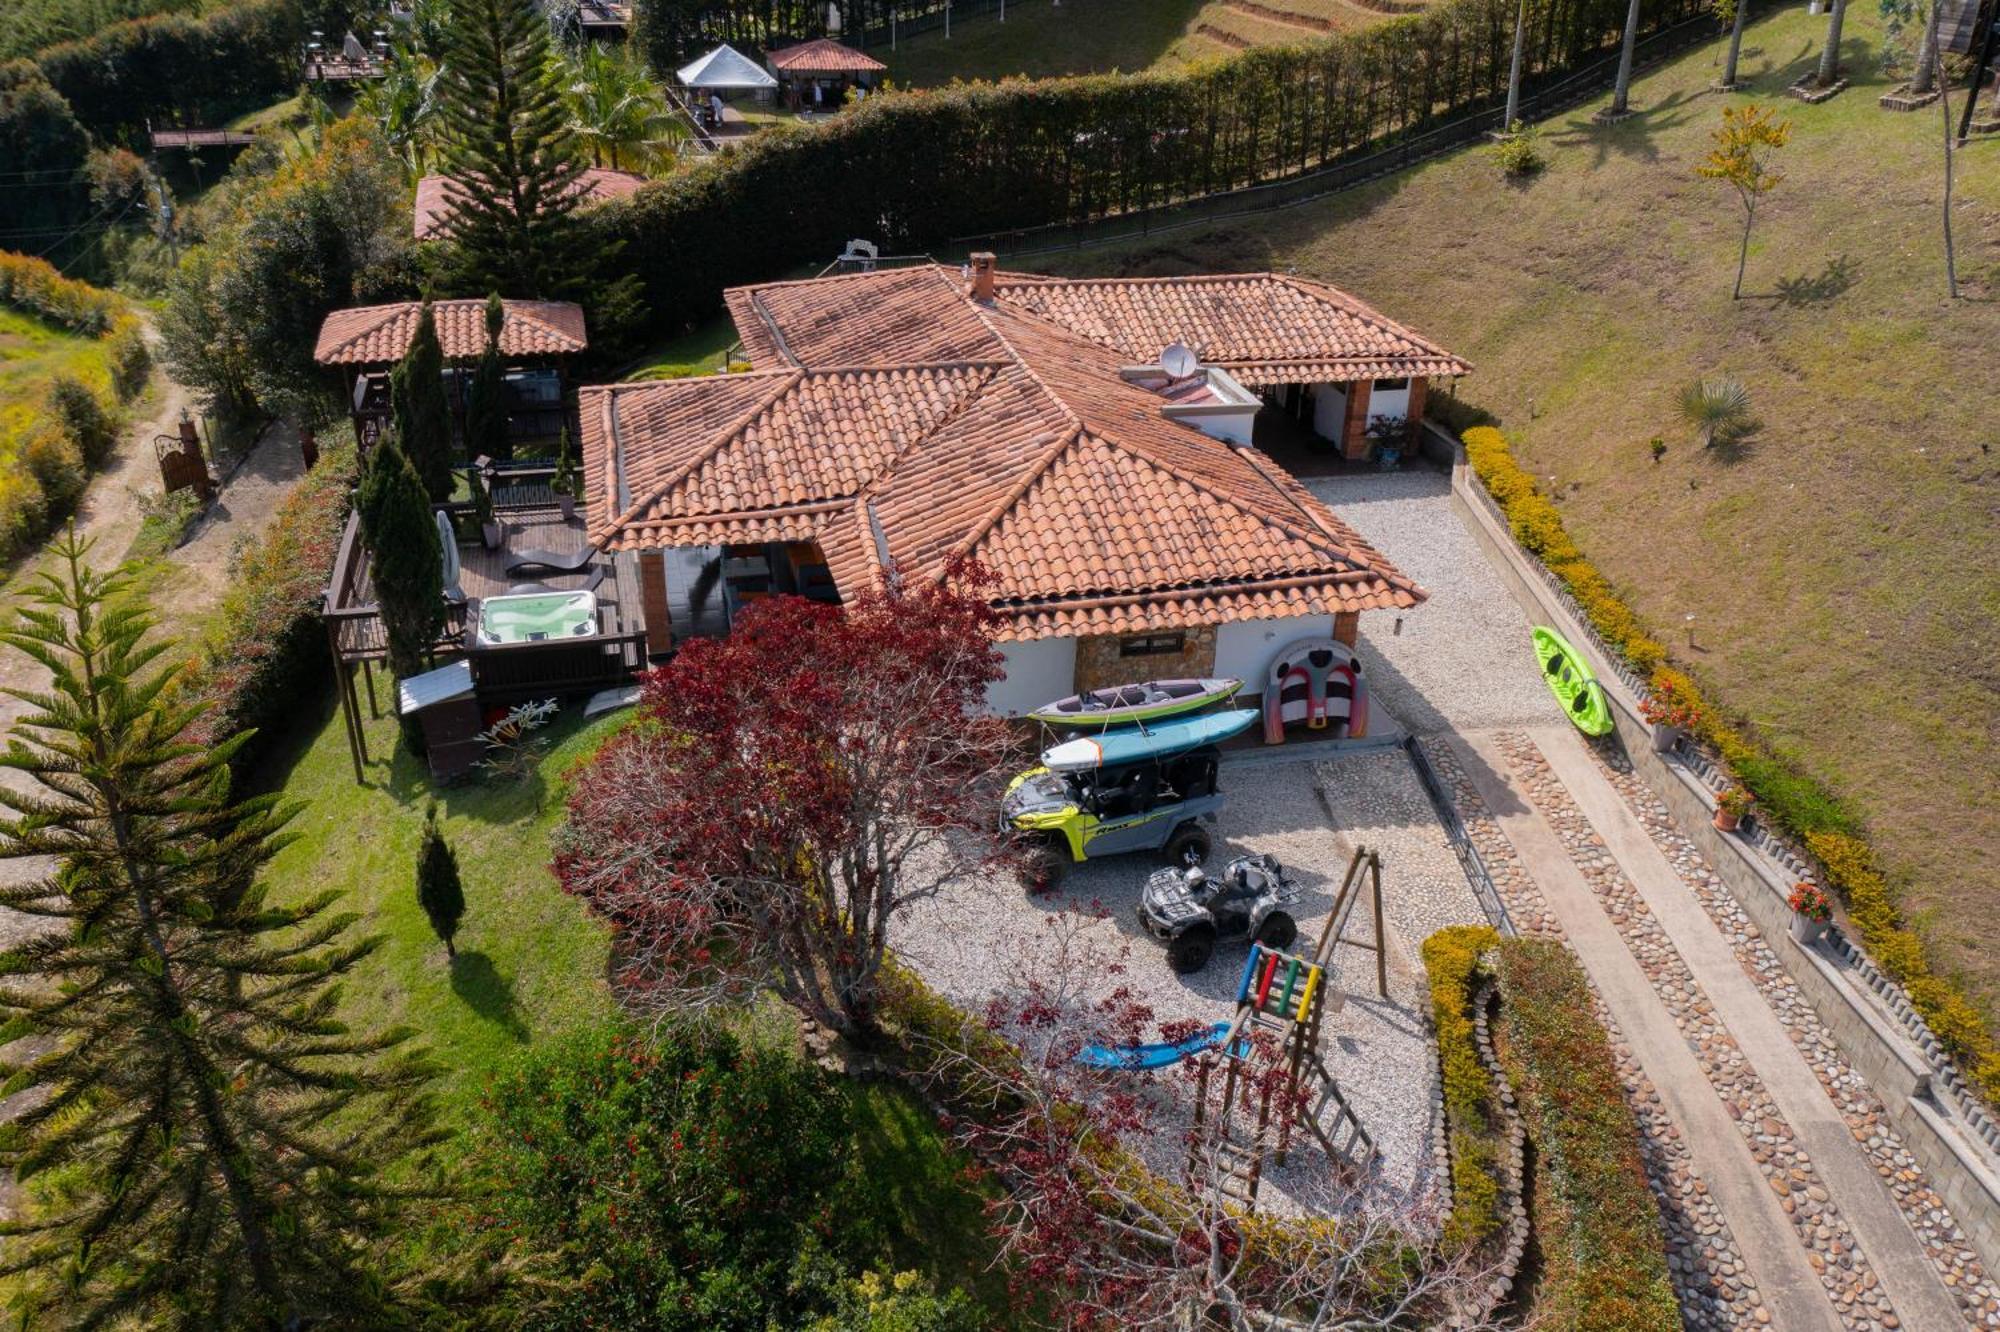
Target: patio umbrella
x,y
448,541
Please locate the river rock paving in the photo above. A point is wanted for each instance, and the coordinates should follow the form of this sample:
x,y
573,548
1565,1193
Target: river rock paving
x,y
1831,1248
1711,1282
1866,1118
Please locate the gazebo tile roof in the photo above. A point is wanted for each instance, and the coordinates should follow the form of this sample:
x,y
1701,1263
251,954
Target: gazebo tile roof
x,y
380,334
822,55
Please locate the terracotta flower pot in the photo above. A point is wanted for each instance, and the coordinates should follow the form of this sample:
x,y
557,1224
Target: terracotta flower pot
x,y
1726,821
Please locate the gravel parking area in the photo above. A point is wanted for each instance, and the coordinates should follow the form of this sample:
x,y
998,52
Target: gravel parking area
x,y
1462,660
972,940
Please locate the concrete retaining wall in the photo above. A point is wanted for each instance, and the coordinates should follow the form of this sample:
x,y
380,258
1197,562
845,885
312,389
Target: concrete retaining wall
x,y
1877,1031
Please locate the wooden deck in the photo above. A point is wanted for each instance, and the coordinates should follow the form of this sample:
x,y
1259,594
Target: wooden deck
x,y
356,627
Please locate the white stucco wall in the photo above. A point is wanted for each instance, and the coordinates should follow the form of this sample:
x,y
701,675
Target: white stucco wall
x,y
1244,649
1329,410
1039,671
1232,427
1388,402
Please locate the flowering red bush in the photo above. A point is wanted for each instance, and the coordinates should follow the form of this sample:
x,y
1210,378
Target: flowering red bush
x,y
786,791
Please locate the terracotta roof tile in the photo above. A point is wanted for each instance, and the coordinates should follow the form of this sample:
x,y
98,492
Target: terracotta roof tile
x,y
437,196
899,423
380,334
822,55
1242,320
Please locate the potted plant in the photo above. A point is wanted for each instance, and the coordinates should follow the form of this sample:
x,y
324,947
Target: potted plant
x,y
1811,912
482,504
1731,806
1669,714
1390,433
565,482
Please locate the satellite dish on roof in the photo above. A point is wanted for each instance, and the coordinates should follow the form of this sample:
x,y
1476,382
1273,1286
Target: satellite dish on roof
x,y
1178,360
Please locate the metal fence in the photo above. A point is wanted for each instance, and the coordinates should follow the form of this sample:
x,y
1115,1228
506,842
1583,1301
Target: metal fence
x,y
1469,859
1539,100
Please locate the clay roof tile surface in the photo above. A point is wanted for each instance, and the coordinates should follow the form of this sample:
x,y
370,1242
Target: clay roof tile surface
x,y
823,55
437,196
380,334
901,424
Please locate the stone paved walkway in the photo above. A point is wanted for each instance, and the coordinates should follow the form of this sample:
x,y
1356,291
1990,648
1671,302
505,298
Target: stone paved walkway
x,y
1789,1201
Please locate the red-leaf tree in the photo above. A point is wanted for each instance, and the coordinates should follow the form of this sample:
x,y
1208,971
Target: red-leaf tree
x,y
786,791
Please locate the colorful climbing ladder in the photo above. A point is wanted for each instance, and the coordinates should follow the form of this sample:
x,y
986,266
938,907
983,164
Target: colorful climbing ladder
x,y
1286,995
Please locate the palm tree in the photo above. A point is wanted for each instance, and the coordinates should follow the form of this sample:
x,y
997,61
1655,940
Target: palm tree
x,y
402,104
1718,409
616,109
1620,94
1829,58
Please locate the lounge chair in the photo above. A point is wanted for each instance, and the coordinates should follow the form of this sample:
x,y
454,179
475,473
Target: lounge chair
x,y
571,562
598,573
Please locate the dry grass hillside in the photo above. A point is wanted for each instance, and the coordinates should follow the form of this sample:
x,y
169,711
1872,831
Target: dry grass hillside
x,y
1837,576
1050,37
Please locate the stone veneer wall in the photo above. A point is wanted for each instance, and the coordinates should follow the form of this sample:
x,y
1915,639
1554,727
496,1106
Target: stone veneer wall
x,y
1098,662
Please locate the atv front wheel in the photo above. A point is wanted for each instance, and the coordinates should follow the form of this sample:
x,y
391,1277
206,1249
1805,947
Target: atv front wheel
x,y
1278,931
1187,847
1042,869
1189,952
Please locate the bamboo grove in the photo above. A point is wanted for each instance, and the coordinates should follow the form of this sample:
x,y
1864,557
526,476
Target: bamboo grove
x,y
912,170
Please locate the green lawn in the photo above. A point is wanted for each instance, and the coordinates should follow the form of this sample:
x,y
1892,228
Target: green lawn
x,y
531,962
1841,569
701,352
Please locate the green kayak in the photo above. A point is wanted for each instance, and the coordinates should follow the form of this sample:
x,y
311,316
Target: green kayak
x,y
1570,679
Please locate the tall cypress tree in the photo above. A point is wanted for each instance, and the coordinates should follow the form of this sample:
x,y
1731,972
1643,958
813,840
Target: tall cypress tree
x,y
486,402
507,145
406,558
422,413
221,1135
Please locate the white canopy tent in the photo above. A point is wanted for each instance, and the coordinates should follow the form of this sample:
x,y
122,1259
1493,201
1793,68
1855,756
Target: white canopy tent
x,y
723,69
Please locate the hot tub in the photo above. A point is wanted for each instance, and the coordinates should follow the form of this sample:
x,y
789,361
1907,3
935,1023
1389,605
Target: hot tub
x,y
537,617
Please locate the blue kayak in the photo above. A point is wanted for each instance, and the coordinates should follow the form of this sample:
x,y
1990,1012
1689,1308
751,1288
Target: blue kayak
x,y
1154,740
1158,1055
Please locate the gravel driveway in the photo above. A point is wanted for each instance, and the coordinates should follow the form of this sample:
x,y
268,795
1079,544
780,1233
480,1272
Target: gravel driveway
x,y
1462,660
970,941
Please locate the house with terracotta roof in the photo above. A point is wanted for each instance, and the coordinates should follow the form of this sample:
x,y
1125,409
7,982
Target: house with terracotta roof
x,y
895,422
364,343
816,75
438,196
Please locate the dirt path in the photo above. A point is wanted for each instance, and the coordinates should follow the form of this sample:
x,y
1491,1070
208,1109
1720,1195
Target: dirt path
x,y
110,515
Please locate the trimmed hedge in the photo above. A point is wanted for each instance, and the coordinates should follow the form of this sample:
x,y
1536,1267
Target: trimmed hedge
x,y
914,169
1451,959
230,59
270,650
1791,800
1603,1246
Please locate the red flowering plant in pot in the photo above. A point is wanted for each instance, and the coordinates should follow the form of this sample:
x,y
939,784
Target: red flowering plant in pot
x,y
1670,713
1812,911
1731,806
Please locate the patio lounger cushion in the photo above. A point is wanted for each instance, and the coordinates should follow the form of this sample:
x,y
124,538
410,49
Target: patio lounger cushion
x,y
575,561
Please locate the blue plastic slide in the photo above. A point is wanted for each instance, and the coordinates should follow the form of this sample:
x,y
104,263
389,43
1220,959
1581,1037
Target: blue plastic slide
x,y
1157,1055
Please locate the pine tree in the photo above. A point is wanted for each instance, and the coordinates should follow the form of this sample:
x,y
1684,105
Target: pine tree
x,y
438,888
422,415
508,148
486,402
406,558
220,1137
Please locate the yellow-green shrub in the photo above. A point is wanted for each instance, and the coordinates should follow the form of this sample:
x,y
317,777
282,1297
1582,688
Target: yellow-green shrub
x,y
1451,959
1789,799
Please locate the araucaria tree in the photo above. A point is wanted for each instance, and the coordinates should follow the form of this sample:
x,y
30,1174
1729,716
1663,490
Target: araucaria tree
x,y
1742,157
787,792
422,414
508,148
406,558
438,890
486,400
216,1141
